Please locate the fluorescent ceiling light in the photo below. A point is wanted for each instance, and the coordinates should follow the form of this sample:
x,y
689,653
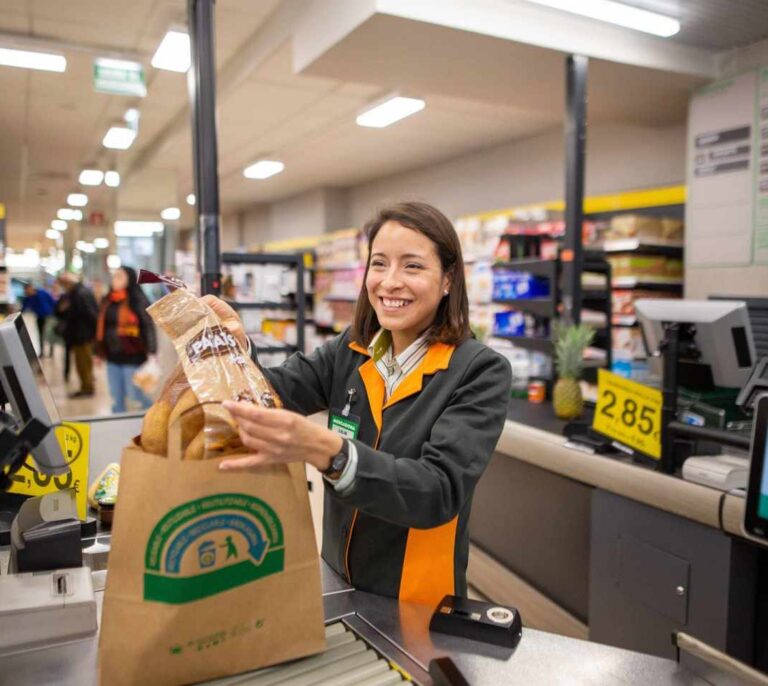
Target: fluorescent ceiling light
x,y
191,199
263,169
89,247
52,234
91,177
77,215
618,13
101,243
80,245
59,225
131,116
114,262
119,138
77,261
44,61
112,179
137,229
388,112
66,213
77,199
171,213
173,53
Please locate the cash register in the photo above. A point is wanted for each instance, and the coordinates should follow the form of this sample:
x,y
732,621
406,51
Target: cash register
x,y
46,594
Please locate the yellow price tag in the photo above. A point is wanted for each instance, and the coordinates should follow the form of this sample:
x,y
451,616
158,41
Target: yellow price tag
x,y
629,413
74,441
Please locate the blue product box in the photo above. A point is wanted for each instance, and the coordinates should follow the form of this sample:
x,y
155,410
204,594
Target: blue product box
x,y
509,285
509,323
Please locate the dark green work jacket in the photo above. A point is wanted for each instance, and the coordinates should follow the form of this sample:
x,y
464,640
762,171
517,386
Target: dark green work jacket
x,y
401,529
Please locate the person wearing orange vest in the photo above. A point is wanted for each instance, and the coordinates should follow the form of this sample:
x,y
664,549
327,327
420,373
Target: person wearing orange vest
x,y
416,406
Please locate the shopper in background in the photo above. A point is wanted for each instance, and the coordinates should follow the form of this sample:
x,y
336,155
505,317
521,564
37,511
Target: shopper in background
x,y
415,405
77,310
125,337
41,302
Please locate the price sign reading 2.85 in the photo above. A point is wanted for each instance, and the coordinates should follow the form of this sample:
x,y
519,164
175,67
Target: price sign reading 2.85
x,y
628,412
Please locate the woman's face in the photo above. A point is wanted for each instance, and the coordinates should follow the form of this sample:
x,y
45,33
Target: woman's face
x,y
119,279
405,281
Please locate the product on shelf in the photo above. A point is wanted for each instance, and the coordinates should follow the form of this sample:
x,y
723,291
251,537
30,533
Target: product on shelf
x,y
510,285
643,226
513,323
655,266
627,343
623,300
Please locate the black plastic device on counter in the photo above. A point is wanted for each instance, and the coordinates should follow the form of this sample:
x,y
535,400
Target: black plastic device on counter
x,y
478,621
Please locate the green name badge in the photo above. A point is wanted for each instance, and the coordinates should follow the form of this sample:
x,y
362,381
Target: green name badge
x,y
347,427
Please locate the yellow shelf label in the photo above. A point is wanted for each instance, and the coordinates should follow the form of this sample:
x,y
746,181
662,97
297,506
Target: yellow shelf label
x,y
629,413
74,441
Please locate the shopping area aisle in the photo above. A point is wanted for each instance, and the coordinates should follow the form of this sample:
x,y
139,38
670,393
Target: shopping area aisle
x,y
73,408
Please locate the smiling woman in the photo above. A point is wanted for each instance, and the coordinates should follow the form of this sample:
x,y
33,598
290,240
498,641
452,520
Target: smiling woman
x,y
415,404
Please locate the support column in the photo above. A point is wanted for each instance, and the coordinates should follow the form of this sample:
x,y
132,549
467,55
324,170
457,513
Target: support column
x,y
575,143
201,81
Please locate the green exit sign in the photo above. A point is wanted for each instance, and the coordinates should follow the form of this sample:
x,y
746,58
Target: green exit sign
x,y
119,77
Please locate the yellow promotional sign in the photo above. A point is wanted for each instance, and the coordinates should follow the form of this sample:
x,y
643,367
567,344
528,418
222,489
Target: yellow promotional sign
x,y
629,413
74,441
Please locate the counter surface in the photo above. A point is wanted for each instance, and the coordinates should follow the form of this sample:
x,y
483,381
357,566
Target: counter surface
x,y
533,435
400,632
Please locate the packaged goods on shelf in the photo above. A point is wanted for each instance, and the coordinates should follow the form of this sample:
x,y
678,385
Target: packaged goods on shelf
x,y
644,226
479,282
637,370
623,300
510,285
341,248
657,266
513,323
627,343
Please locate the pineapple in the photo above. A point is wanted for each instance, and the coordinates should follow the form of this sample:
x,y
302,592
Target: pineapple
x,y
570,342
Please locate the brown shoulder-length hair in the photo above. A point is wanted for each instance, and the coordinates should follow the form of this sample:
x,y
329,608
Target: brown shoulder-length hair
x,y
451,323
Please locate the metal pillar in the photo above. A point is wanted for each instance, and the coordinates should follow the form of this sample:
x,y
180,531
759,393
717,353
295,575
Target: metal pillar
x,y
575,140
201,81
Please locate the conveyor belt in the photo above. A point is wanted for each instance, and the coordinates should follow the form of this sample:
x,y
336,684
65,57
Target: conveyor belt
x,y
347,661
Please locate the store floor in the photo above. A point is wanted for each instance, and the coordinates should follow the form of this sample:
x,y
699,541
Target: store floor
x,y
71,409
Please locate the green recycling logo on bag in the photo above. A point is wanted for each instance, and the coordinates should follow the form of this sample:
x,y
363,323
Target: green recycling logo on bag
x,y
210,545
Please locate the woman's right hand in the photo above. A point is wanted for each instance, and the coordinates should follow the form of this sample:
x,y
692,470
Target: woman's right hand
x,y
229,318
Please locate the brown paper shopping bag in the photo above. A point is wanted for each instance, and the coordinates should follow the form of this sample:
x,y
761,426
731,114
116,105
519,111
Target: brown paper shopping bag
x,y
210,573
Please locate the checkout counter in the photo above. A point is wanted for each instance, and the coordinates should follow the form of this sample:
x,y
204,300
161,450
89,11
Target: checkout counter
x,y
397,633
604,548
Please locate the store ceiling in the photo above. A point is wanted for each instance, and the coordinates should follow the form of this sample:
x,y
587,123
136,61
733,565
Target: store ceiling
x,y
480,92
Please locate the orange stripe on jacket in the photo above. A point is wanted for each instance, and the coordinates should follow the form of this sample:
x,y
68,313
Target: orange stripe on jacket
x,y
428,565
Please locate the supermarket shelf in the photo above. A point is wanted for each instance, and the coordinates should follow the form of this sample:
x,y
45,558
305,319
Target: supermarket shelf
x,y
541,306
543,345
595,294
340,298
264,305
650,282
531,265
260,258
624,320
655,246
338,267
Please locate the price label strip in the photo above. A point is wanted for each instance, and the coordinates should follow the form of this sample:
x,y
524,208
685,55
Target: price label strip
x,y
629,413
74,441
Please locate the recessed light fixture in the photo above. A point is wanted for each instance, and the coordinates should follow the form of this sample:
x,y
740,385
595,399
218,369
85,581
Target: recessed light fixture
x,y
393,109
171,213
191,199
112,179
77,215
114,261
263,169
173,53
66,213
137,229
77,199
119,138
101,243
59,225
52,234
618,13
91,177
26,59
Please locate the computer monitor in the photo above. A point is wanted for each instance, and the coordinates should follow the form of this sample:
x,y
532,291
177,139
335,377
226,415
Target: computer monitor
x,y
723,335
756,510
23,382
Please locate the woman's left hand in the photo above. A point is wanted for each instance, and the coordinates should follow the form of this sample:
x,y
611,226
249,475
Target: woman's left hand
x,y
276,436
